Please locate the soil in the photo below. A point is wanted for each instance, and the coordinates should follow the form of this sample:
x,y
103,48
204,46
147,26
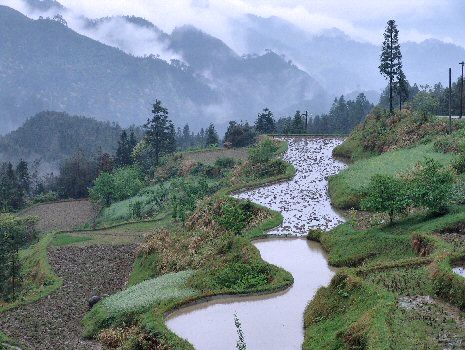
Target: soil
x,y
61,216
54,322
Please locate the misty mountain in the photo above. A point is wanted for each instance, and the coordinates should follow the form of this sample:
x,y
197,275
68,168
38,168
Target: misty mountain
x,y
341,64
45,65
52,137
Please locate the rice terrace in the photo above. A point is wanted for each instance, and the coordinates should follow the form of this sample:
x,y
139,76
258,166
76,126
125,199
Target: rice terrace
x,y
219,175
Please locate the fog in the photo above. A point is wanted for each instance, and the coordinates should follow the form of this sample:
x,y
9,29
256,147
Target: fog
x,y
361,20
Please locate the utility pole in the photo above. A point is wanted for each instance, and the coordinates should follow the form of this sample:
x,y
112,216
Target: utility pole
x,y
450,100
306,121
461,91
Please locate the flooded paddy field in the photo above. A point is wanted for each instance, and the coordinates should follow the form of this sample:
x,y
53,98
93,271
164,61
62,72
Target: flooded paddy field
x,y
275,321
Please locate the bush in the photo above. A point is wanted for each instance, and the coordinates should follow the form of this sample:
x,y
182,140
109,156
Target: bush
x,y
235,215
45,197
264,152
225,162
242,277
386,194
170,166
431,186
459,163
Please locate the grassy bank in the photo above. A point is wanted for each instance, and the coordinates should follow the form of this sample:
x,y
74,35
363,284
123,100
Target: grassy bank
x,y
396,288
347,187
39,280
200,258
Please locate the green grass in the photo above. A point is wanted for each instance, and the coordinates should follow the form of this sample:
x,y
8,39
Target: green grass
x,y
359,310
347,187
352,314
142,303
63,239
121,307
40,280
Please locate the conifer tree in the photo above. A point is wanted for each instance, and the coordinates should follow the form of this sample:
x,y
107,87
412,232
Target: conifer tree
x,y
402,88
391,58
265,123
124,151
212,138
160,133
24,179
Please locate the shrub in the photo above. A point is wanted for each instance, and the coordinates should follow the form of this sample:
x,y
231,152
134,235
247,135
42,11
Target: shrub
x,y
183,196
136,209
170,166
431,185
225,162
243,277
264,152
459,163
235,215
45,197
386,194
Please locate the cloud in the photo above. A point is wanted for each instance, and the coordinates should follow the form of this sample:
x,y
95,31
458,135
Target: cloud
x,y
362,20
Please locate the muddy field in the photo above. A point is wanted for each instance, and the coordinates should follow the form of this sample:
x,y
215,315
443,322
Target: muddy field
x,y
55,321
64,215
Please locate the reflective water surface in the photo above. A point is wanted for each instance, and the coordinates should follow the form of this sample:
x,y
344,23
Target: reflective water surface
x,y
275,321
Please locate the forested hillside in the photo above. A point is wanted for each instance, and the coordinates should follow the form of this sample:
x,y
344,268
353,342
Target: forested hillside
x,y
41,70
52,136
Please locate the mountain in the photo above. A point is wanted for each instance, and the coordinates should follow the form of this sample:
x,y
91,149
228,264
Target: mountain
x,y
52,137
341,64
44,65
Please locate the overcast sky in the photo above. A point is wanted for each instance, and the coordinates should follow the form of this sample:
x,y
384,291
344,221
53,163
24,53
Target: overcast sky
x,y
361,19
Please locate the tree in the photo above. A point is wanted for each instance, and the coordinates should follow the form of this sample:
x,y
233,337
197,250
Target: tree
x,y
105,163
239,135
15,232
386,194
160,134
76,176
265,123
103,189
402,88
391,58
425,103
212,138
24,179
124,150
298,126
119,185
11,192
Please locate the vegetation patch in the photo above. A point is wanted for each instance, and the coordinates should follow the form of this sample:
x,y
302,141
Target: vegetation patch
x,y
122,308
349,186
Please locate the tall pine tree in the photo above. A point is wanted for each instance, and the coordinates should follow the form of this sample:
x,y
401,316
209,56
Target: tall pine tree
x,y
160,134
391,58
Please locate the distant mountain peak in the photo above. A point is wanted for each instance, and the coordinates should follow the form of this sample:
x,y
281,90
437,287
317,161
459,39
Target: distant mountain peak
x,y
44,5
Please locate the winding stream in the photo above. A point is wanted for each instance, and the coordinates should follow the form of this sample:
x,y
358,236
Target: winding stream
x,y
275,321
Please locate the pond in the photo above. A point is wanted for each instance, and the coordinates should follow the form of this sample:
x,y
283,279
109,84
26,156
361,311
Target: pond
x,y
275,321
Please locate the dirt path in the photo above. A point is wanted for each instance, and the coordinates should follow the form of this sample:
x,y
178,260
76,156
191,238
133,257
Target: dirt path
x,y
55,321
